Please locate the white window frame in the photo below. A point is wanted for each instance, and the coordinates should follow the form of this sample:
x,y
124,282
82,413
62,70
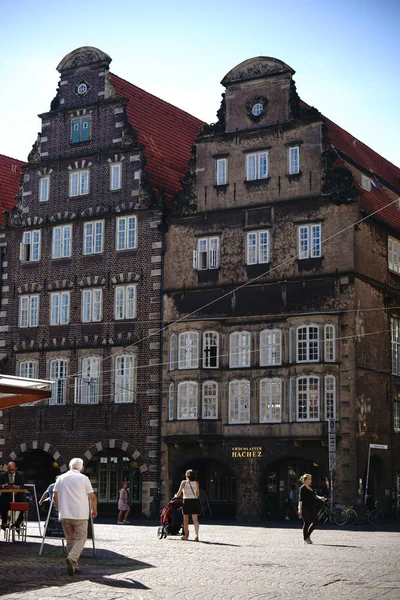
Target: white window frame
x,y
271,400
187,401
221,166
209,400
239,402
257,166
30,246
44,188
304,398
396,416
307,343
87,385
330,397
126,234
29,370
61,243
115,176
171,402
206,255
125,382
172,352
188,350
79,183
330,342
210,340
294,160
29,311
395,344
239,349
125,302
92,305
257,247
58,373
93,237
60,303
394,255
309,241
270,347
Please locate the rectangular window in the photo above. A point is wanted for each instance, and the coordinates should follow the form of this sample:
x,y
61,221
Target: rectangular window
x,y
395,343
330,397
188,350
221,166
239,402
270,347
80,130
309,241
308,343
78,183
44,188
307,399
394,254
257,247
125,302
396,415
172,352
126,233
58,374
92,305
239,349
115,176
206,255
59,308
171,402
210,350
28,369
29,311
61,247
257,166
209,400
187,400
270,400
329,343
87,386
93,237
125,380
294,160
30,246
365,182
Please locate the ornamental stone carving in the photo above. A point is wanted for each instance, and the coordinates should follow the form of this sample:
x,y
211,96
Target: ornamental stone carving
x,y
254,68
86,56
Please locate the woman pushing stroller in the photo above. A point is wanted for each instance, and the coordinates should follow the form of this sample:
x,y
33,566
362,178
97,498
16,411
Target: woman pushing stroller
x,y
191,506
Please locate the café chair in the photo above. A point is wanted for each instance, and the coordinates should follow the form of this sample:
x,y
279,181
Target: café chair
x,y
15,509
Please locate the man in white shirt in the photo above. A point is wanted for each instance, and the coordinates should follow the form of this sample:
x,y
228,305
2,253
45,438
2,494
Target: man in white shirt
x,y
73,493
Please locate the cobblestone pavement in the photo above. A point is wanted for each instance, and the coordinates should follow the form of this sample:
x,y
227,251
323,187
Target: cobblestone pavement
x,y
232,562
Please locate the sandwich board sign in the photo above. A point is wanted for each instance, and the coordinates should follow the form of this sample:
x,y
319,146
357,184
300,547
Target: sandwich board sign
x,y
53,528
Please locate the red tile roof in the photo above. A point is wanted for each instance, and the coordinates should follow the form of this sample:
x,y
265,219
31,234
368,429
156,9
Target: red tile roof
x,y
167,132
10,173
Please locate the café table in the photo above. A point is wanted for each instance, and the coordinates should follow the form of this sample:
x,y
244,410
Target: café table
x,y
13,492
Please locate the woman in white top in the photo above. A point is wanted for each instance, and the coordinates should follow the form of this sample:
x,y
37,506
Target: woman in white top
x,y
191,507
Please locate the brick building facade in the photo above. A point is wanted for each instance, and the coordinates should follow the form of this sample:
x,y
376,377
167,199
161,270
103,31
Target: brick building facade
x,y
82,280
277,298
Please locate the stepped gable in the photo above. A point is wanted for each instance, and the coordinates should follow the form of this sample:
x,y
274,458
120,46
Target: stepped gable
x,y
167,132
10,173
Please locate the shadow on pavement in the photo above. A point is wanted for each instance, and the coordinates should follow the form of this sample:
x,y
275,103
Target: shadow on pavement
x,y
336,545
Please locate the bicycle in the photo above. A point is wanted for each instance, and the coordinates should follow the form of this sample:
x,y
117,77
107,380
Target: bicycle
x,y
376,515
338,516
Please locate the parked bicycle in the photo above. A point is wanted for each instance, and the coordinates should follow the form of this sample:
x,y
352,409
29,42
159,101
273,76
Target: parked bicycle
x,y
337,516
374,516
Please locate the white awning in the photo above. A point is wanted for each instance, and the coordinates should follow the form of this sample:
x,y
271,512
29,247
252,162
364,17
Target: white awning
x,y
22,390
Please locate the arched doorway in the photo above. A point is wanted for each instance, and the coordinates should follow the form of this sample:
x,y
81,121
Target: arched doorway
x,y
218,482
277,481
39,468
107,470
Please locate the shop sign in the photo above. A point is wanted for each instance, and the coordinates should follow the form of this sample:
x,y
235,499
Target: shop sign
x,y
247,452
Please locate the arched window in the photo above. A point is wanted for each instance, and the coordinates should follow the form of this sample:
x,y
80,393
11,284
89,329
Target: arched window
x,y
188,350
210,350
171,402
307,399
329,343
209,400
308,343
330,397
271,400
239,401
270,347
87,386
187,400
125,380
239,349
172,352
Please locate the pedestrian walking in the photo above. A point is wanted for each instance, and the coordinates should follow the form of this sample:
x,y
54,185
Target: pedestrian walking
x,y
290,503
123,504
73,493
191,506
307,509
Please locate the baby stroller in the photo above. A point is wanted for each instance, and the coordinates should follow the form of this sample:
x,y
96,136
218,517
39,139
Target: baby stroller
x,y
171,522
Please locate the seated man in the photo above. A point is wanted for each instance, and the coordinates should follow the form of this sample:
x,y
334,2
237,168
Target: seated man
x,y
15,480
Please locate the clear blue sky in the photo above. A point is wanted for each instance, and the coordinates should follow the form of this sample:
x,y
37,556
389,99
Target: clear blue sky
x,y
346,55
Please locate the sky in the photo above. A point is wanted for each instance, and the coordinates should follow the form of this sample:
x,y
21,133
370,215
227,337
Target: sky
x,y
346,55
